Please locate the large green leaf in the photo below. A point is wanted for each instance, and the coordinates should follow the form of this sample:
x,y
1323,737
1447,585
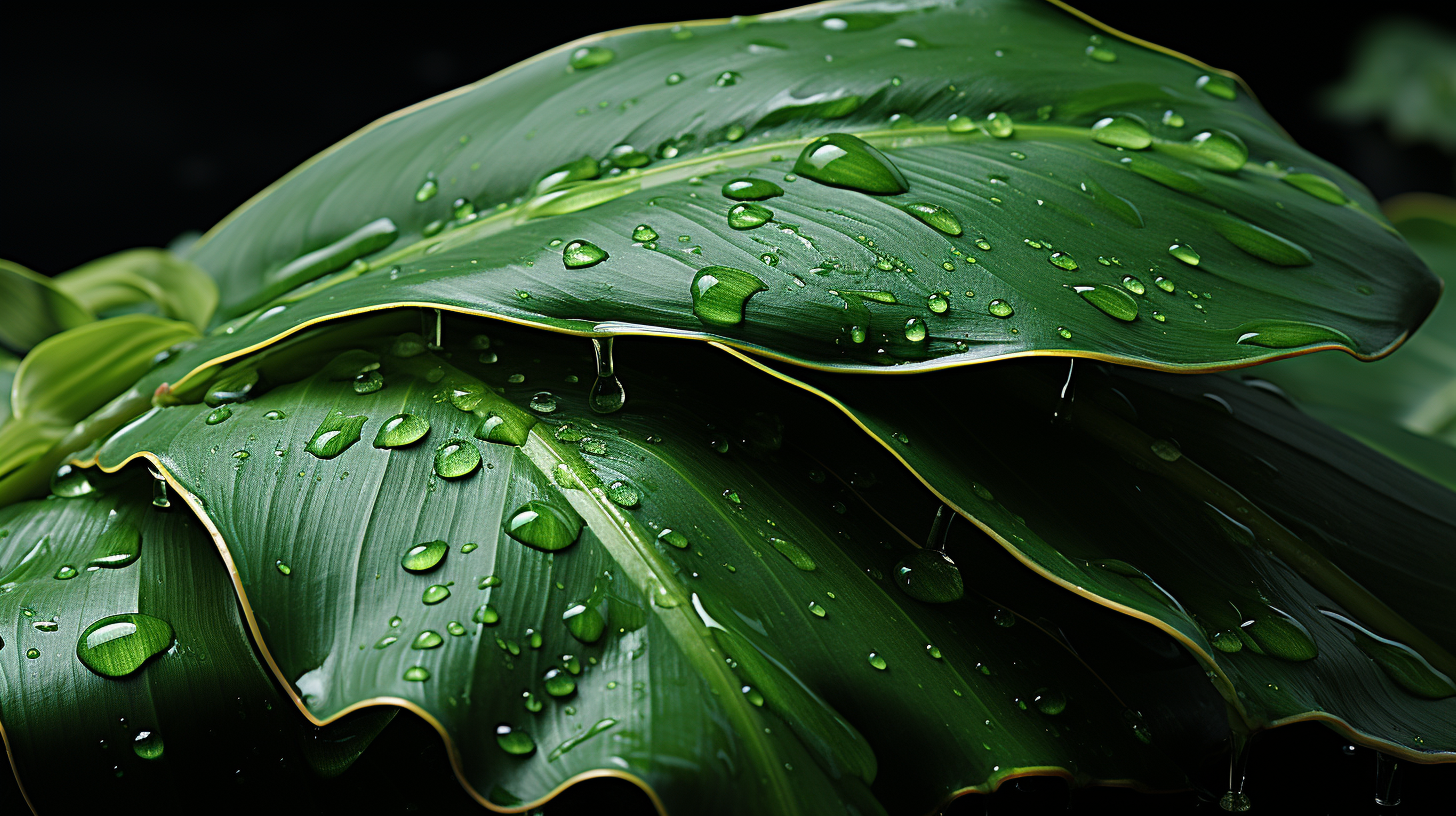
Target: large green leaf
x,y
197,715
156,277
1415,389
33,308
1058,226
756,657
1312,575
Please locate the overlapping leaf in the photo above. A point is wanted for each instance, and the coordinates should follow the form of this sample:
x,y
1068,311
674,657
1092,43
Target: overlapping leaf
x,y
1048,228
165,727
1310,573
754,656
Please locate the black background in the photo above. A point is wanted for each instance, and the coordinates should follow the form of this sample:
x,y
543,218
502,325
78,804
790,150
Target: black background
x,y
124,129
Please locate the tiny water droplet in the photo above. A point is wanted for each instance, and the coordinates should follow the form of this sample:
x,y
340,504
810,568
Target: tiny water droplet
x,y
673,538
427,190
796,554
817,608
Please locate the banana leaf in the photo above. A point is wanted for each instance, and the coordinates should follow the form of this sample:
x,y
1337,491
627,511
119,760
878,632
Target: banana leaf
x,y
673,593
1310,574
960,182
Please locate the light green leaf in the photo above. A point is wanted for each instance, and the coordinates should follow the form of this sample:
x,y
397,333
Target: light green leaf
x,y
139,276
961,182
744,598
33,308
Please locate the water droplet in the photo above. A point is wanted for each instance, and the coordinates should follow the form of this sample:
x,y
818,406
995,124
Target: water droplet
x,y
581,254
1235,802
720,294
1284,334
673,538
584,622
624,493
937,302
877,661
591,56
543,402
842,160
427,190
796,554
727,78
936,216
335,435
751,189
1049,701
385,642
1122,131
66,573
456,458
748,215
427,639
644,233
1062,260
673,79
915,330
1100,54
1220,86
1000,308
1166,449
282,568
1185,253
1172,119
1064,332
1110,300
998,125
1262,243
69,481
543,525
435,594
424,557
118,645
417,674
401,430
1275,633
929,576
1004,618
486,614
147,745
932,650
1318,186
1218,150
219,414
1133,285
1164,284
32,653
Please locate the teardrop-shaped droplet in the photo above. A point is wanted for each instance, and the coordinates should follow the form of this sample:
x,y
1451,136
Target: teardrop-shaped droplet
x,y
877,661
1000,308
751,189
1277,634
607,395
1218,150
543,525
1133,285
1261,243
1062,260
117,546
417,674
936,216
434,594
335,435
720,293
915,330
486,614
1217,85
581,254
427,190
456,458
118,645
747,215
930,576
673,538
1122,131
1111,300
1049,701
514,741
1284,334
796,554
1100,54
1319,187
66,572
623,493
842,160
584,622
427,639
1185,253
591,56
219,415
401,430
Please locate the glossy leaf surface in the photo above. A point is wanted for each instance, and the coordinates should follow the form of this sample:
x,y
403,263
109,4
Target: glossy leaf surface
x,y
33,308
136,277
999,178
68,563
736,641
1300,565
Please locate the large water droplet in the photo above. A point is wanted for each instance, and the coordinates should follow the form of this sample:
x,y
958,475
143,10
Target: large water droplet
x,y
543,525
1122,131
998,125
147,745
584,622
796,554
456,458
748,215
591,56
673,538
427,639
219,415
1262,244
435,594
936,216
69,482
424,557
644,234
1000,308
581,254
1049,701
335,435
558,683
1275,633
1185,253
720,293
842,160
417,674
118,645
930,576
1062,260
751,189
915,330
1111,300
401,430
1218,150
1283,334
582,169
